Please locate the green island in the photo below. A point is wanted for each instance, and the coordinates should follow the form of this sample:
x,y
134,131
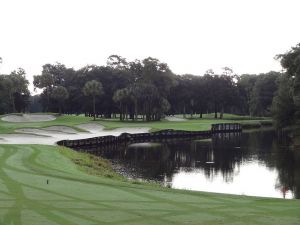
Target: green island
x,y
43,184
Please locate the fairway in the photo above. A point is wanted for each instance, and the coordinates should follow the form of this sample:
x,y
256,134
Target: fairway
x,y
74,197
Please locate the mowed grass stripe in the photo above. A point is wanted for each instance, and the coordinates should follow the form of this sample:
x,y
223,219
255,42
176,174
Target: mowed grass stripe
x,y
86,199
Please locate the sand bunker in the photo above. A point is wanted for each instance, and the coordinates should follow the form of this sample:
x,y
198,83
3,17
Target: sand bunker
x,y
174,119
26,139
91,127
53,134
27,118
63,129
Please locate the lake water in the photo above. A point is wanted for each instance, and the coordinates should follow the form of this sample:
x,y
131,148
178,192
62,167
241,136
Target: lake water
x,y
259,163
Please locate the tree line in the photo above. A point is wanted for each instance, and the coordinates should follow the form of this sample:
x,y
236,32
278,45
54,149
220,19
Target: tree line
x,y
14,93
147,90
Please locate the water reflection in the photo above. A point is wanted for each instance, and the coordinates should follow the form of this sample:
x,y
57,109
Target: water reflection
x,y
261,163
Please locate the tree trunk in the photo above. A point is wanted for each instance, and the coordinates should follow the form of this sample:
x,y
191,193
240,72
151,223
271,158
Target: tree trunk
x,y
216,111
48,100
13,103
135,110
94,107
222,112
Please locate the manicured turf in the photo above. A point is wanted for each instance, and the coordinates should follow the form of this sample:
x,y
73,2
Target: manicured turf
x,y
66,120
74,197
84,190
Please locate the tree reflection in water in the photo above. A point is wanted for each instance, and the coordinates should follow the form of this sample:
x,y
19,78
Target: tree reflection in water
x,y
224,154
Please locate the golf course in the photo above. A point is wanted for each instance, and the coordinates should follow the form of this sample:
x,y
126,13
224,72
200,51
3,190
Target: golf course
x,y
47,184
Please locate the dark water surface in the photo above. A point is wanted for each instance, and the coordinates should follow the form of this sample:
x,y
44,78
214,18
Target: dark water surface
x,y
259,163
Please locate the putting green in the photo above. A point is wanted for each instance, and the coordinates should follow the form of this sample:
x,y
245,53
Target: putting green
x,y
74,197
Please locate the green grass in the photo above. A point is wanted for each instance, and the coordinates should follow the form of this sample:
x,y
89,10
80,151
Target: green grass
x,y
75,197
90,164
71,121
191,125
226,116
83,189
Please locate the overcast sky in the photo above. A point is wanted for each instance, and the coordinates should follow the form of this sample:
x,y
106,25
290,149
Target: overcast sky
x,y
190,35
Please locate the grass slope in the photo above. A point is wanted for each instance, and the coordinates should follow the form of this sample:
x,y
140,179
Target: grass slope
x,y
74,197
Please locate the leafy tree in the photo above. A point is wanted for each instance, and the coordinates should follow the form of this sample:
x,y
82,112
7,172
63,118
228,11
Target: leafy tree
x,y
17,85
52,76
60,95
283,107
122,96
291,62
93,88
263,93
245,84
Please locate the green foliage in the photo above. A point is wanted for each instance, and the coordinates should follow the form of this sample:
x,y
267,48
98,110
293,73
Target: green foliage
x,y
60,94
14,93
283,108
92,88
291,85
262,94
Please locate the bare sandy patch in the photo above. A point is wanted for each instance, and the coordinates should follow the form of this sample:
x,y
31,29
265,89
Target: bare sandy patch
x,y
27,118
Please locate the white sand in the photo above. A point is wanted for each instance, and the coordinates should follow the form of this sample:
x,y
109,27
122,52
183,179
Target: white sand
x,y
25,139
27,118
91,127
62,129
50,135
174,119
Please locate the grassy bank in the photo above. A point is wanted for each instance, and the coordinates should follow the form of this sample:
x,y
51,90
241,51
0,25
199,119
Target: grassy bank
x,y
74,197
90,164
191,125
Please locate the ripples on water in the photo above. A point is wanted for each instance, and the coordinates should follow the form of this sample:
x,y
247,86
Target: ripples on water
x,y
257,163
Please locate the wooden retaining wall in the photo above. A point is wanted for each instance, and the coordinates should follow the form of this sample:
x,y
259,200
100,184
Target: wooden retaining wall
x,y
226,127
147,137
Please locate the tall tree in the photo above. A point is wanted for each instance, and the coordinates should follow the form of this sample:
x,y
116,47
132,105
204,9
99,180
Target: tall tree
x,y
53,75
291,62
18,87
283,107
263,93
60,95
93,88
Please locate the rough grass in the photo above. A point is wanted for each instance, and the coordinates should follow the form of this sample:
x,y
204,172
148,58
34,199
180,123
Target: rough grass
x,y
74,197
90,164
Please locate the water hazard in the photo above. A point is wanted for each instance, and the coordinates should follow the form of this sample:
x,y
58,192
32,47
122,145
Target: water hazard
x,y
260,163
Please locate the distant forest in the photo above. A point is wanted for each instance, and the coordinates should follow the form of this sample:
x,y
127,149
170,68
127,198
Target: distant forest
x,y
148,89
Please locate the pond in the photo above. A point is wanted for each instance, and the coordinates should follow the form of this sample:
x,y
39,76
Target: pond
x,y
258,163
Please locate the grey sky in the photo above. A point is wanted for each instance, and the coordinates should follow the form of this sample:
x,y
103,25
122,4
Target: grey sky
x,y
190,35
